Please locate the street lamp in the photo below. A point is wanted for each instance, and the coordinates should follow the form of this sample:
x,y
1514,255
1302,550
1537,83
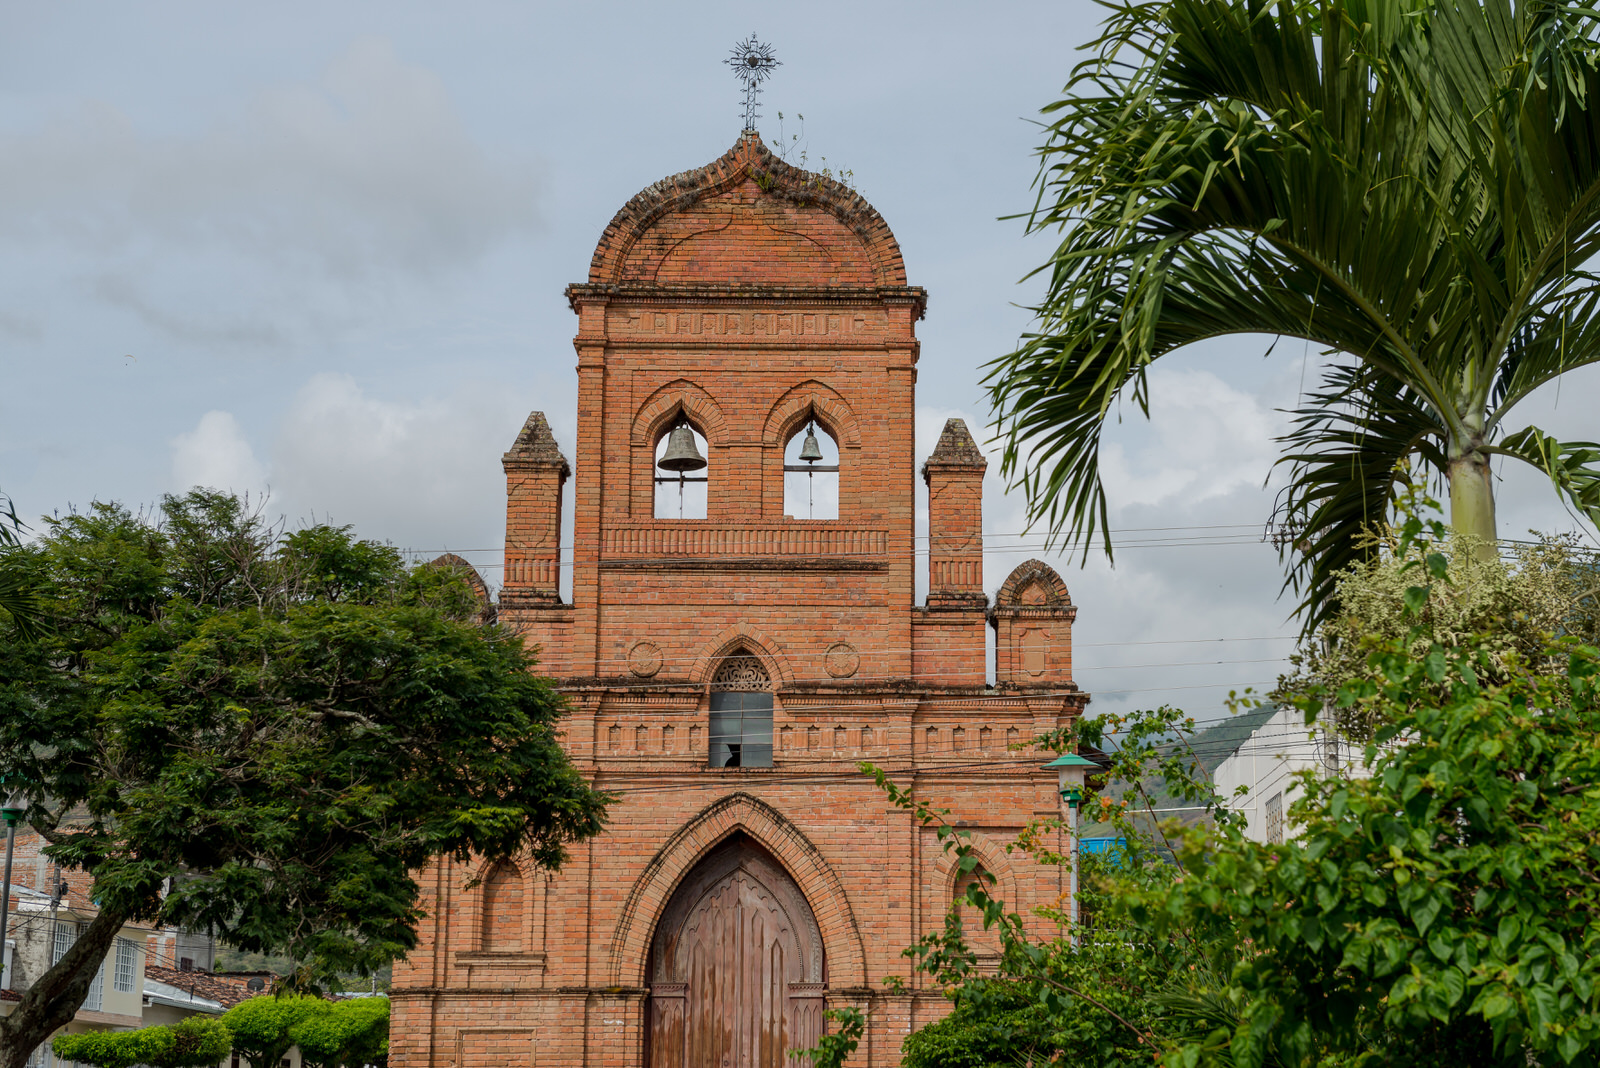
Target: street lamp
x,y
1071,771
12,806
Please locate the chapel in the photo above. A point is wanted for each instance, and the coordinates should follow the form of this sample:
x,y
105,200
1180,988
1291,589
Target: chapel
x,y
743,629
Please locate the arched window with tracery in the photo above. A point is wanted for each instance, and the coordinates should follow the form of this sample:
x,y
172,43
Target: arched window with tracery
x,y
682,460
811,474
504,914
741,714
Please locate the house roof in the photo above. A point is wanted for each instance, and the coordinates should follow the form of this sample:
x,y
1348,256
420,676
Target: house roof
x,y
19,892
226,990
157,993
10,995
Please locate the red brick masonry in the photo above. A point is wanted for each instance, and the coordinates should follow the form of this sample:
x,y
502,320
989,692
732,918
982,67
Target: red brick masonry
x,y
749,297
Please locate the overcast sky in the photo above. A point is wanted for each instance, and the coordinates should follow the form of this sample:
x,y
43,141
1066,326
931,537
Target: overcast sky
x,y
321,248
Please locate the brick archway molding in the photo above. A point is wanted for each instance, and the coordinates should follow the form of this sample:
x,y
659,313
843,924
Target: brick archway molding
x,y
663,407
1027,574
796,406
841,938
742,638
992,858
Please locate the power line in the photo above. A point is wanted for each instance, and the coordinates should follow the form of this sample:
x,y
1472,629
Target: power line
x,y
986,534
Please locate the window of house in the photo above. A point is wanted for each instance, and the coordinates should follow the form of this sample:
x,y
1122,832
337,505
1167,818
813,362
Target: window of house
x,y
96,999
741,714
66,934
1275,817
122,979
811,474
682,460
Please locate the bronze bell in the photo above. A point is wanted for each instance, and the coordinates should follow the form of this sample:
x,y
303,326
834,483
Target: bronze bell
x,y
681,454
810,451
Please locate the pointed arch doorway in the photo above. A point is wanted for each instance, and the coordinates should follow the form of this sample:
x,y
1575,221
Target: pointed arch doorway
x,y
736,970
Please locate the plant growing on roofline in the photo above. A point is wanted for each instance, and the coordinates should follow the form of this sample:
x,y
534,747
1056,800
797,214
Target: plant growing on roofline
x,y
1413,185
265,736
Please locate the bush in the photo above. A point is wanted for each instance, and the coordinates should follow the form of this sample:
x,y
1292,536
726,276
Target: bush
x,y
982,1034
191,1043
354,1033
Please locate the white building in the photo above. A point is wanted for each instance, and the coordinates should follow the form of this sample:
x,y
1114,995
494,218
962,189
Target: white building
x,y
40,928
1266,762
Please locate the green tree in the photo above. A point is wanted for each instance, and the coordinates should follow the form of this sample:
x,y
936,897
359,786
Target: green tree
x,y
1420,588
1445,910
263,1027
1412,185
265,737
195,1042
349,1034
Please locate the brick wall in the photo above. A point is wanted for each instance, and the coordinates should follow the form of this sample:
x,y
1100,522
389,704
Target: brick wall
x,y
749,299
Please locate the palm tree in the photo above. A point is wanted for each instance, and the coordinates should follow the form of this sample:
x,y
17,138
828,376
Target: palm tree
x,y
1413,186
18,598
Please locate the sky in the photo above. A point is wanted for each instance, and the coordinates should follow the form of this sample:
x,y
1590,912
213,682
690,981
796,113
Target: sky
x,y
318,251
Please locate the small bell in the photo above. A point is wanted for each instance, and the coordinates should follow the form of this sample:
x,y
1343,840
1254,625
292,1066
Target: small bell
x,y
681,454
810,451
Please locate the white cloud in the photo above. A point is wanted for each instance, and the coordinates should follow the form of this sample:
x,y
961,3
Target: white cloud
x,y
294,205
422,474
369,166
1199,462
1204,439
215,454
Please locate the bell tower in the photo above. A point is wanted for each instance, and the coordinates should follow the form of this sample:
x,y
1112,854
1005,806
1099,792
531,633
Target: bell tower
x,y
743,631
730,312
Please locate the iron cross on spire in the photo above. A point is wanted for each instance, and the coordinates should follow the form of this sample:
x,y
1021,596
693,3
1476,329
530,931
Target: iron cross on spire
x,y
752,62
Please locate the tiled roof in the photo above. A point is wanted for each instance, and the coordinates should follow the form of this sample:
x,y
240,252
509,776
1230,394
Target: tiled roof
x,y
10,995
227,990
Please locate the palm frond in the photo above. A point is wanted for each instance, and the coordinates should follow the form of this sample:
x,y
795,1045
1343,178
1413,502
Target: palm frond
x,y
1414,185
1573,466
1348,453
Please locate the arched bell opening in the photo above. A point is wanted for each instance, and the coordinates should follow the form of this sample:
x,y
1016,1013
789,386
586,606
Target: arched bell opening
x,y
741,713
736,970
682,463
811,473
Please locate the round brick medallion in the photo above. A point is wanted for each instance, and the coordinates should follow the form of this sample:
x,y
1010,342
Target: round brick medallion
x,y
644,659
841,660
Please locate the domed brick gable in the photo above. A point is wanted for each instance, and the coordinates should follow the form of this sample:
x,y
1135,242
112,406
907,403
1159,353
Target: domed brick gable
x,y
748,219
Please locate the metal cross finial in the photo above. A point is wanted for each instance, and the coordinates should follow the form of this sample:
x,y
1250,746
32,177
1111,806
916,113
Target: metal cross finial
x,y
752,62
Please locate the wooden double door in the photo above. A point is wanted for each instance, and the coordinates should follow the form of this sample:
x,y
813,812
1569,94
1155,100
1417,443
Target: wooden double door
x,y
736,969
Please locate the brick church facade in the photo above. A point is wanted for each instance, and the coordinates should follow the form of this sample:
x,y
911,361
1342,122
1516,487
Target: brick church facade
x,y
726,673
